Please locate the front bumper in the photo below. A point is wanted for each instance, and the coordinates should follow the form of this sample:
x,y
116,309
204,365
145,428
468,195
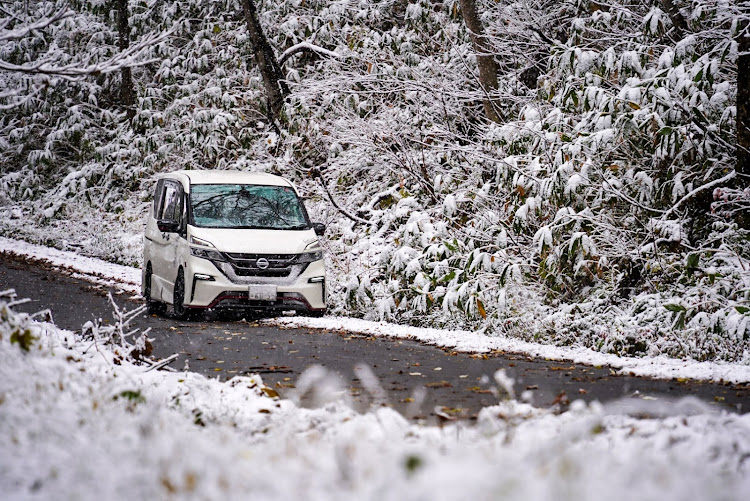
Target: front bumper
x,y
210,287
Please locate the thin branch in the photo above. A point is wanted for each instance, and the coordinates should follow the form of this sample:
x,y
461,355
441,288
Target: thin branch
x,y
699,189
124,59
36,26
305,47
337,206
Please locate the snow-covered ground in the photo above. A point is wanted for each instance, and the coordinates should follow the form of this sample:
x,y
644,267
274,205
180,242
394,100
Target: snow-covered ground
x,y
79,421
129,279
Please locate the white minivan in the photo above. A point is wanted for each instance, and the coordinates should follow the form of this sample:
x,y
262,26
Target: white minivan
x,y
231,240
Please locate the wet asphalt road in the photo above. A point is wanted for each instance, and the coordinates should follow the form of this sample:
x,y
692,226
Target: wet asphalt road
x,y
419,381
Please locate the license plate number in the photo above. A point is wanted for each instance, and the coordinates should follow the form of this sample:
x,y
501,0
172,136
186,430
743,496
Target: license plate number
x,y
261,293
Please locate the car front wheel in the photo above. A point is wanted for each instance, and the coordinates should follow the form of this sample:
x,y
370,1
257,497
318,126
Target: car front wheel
x,y
181,312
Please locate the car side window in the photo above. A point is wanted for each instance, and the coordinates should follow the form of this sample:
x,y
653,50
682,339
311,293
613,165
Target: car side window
x,y
158,197
171,206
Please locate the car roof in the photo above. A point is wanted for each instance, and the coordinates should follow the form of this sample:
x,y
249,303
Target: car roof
x,y
227,177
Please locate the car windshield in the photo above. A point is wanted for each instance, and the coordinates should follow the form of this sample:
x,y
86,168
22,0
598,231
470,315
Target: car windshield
x,y
246,206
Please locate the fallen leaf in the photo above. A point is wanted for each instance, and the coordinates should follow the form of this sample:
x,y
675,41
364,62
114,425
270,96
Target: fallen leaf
x,y
438,384
452,410
562,399
270,392
477,389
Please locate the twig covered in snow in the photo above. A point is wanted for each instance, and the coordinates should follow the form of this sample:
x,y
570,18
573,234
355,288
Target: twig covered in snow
x,y
305,47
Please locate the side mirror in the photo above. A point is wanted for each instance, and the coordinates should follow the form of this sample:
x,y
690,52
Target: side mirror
x,y
319,228
167,226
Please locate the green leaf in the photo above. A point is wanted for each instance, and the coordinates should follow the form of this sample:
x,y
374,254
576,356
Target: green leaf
x,y
742,309
131,395
675,307
413,463
665,131
23,339
448,277
451,246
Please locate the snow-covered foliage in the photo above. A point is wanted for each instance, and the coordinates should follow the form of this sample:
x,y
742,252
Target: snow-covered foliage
x,y
601,211
80,421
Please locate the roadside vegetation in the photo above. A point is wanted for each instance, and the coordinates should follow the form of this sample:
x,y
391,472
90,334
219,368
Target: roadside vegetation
x,y
595,194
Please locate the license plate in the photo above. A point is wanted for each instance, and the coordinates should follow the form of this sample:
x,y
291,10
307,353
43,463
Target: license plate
x,y
261,293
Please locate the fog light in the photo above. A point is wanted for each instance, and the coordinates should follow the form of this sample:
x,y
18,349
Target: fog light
x,y
316,280
203,276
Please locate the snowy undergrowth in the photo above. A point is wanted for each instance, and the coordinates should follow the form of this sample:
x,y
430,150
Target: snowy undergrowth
x,y
75,424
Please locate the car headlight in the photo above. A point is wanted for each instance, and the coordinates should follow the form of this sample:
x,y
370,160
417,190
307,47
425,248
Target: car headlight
x,y
200,241
210,254
309,257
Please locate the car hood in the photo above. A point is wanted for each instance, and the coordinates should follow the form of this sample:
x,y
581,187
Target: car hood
x,y
256,241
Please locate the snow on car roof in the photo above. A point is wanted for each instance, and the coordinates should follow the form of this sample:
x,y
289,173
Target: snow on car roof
x,y
230,177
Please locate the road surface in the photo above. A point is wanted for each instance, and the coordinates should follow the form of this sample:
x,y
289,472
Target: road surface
x,y
422,382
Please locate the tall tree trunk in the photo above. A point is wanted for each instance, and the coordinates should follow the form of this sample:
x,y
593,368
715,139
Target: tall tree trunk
x,y
743,102
742,180
127,92
266,60
485,60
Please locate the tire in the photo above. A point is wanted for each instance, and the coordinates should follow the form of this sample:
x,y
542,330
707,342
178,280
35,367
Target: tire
x,y
152,307
181,312
315,313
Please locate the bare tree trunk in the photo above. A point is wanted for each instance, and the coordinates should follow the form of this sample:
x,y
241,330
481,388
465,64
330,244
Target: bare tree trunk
x,y
485,60
265,58
742,179
127,92
743,103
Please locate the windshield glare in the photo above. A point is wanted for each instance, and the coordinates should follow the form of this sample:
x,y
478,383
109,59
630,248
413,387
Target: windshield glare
x,y
246,206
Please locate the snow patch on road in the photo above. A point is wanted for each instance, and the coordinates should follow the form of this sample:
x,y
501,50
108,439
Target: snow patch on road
x,y
94,270
476,342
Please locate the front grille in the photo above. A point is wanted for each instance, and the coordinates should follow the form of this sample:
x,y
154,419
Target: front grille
x,y
246,265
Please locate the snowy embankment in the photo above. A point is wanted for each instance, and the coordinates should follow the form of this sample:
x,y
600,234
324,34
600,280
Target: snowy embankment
x,y
129,279
80,421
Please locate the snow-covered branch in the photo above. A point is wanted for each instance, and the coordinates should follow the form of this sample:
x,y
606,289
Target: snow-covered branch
x,y
130,57
305,47
27,29
699,189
